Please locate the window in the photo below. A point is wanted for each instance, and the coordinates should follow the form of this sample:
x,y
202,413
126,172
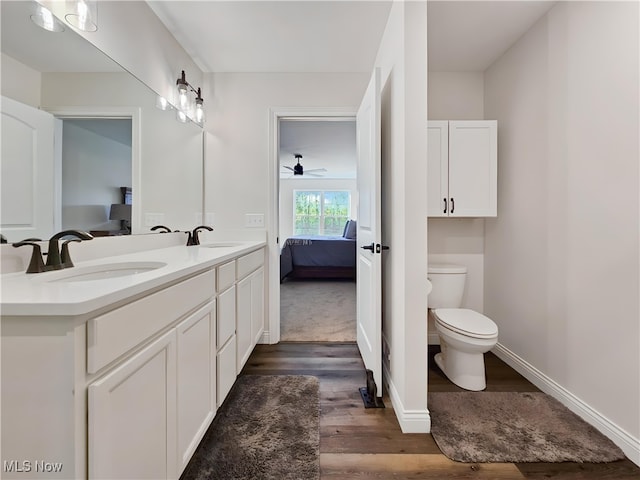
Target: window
x,y
320,212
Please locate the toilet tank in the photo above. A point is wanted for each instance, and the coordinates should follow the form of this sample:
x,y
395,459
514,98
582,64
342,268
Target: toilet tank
x,y
447,280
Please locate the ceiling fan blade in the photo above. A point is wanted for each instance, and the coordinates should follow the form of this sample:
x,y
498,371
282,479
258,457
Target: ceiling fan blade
x,y
288,167
313,174
316,170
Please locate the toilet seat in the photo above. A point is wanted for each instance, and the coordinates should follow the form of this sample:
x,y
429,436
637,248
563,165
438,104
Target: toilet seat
x,y
466,322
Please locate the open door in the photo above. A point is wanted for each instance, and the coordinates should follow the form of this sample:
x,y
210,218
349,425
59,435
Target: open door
x,y
369,264
27,172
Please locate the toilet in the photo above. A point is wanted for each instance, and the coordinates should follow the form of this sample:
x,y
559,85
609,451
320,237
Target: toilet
x,y
465,335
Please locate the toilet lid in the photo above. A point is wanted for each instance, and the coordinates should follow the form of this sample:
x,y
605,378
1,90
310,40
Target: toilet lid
x,y
467,322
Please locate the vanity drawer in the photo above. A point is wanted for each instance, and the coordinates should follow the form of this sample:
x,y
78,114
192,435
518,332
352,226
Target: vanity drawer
x,y
249,263
116,332
226,275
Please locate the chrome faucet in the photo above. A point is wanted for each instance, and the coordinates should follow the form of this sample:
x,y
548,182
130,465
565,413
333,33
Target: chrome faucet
x,y
55,259
193,238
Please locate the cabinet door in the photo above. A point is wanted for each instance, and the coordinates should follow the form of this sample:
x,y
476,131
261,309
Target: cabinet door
x,y
257,305
438,168
226,316
243,322
132,423
473,164
196,371
226,364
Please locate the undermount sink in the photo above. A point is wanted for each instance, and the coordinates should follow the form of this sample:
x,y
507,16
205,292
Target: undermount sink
x,y
221,244
101,272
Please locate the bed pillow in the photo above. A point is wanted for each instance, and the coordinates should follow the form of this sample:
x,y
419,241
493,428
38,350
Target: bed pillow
x,y
346,227
350,230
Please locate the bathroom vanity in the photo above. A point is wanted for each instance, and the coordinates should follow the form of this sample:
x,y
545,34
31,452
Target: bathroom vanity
x,y
115,368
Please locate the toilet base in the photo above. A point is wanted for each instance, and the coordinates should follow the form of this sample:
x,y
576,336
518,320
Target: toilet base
x,y
466,370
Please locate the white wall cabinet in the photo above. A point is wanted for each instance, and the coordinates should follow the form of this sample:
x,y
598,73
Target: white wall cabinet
x,y
462,168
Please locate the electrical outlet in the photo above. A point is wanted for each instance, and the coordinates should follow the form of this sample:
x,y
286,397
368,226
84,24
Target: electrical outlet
x,y
254,220
152,219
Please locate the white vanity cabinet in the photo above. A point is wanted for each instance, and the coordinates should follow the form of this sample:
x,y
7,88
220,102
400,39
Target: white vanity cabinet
x,y
250,305
128,388
462,166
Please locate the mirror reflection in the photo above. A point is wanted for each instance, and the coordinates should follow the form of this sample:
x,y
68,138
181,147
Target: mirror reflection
x,y
83,144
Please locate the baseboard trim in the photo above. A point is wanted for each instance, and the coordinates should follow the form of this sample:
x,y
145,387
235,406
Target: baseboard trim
x,y
627,443
411,421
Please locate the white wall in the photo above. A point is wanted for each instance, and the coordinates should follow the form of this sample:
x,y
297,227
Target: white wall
x,y
458,96
402,58
20,82
562,257
287,186
94,167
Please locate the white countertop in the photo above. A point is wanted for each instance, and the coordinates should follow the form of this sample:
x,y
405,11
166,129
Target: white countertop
x,y
34,294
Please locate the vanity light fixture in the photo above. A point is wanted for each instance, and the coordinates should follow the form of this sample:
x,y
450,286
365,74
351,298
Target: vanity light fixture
x,y
83,14
184,103
43,17
162,103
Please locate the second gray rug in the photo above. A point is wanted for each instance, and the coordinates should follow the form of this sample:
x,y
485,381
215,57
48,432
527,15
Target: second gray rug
x,y
482,427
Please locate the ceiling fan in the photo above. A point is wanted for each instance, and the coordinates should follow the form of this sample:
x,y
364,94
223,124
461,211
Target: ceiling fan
x,y
297,169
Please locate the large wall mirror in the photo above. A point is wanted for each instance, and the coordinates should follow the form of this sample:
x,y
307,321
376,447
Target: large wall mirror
x,y
112,147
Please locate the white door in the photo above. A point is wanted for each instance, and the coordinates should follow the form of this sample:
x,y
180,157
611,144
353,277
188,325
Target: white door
x,y
369,265
27,172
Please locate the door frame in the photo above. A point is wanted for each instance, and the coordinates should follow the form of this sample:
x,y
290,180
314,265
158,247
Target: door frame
x,y
272,335
130,113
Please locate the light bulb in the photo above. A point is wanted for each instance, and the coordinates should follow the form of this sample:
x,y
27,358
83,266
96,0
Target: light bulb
x,y
199,112
162,103
181,116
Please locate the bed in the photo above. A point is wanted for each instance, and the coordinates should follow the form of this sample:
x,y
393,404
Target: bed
x,y
314,256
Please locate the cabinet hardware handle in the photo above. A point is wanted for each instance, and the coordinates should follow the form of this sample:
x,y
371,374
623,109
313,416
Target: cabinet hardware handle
x,y
445,205
453,205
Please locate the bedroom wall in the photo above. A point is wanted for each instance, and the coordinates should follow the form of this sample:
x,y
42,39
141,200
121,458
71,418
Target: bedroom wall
x,y
95,164
458,96
287,187
562,258
402,58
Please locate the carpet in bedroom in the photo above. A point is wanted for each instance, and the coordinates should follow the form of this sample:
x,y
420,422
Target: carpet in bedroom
x,y
318,311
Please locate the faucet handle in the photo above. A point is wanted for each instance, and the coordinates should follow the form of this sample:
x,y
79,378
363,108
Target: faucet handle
x,y
36,264
65,257
161,228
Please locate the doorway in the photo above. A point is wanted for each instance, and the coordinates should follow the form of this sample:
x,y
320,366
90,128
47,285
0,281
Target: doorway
x,y
96,175
313,303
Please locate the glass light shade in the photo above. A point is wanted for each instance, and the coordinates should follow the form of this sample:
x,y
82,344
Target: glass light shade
x,y
181,116
199,112
162,103
83,14
45,19
183,98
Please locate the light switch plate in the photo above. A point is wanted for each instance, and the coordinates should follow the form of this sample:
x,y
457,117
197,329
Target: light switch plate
x,y
254,220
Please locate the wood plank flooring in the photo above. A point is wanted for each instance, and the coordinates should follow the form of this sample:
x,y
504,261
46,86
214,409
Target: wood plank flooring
x,y
359,443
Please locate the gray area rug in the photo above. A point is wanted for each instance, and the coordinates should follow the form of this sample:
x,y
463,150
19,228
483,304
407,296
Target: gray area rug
x,y
514,427
318,311
267,428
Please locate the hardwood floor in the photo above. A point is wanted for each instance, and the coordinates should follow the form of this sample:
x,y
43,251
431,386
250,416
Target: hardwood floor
x,y
359,443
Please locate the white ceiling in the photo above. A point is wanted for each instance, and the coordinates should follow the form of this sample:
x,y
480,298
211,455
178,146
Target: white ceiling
x,y
277,36
323,144
338,36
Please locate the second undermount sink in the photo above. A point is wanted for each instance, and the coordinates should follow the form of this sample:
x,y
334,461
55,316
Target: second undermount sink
x,y
102,272
221,244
